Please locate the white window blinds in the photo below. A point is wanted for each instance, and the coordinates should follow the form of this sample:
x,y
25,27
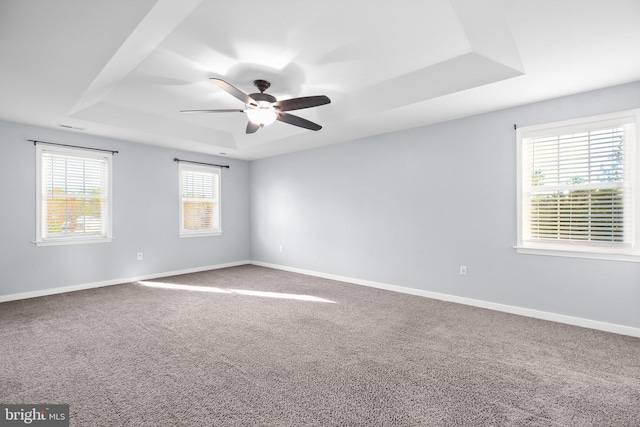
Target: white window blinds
x,y
74,195
578,186
199,200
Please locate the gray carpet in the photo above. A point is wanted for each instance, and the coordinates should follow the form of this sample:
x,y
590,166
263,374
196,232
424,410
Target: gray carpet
x,y
253,353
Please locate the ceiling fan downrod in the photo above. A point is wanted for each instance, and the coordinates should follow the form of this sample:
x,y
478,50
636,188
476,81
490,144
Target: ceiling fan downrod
x,y
262,85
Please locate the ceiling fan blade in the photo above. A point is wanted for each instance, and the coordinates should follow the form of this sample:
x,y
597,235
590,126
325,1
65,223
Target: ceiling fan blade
x,y
233,91
298,121
213,111
252,127
300,103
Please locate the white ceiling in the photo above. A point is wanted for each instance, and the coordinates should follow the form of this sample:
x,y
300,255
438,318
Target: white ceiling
x,y
124,69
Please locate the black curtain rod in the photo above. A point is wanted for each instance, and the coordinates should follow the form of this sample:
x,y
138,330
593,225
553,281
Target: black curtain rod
x,y
72,146
200,163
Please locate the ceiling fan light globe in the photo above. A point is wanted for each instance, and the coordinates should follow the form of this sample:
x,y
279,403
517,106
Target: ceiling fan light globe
x,y
262,116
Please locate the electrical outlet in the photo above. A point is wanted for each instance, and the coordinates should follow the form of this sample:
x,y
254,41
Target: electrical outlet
x,y
139,256
463,270
281,248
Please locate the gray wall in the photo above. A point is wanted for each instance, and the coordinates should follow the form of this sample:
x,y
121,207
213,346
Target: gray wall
x,y
405,209
408,208
145,216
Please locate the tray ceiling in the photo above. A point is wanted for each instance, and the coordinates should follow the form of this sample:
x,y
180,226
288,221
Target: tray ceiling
x,y
124,69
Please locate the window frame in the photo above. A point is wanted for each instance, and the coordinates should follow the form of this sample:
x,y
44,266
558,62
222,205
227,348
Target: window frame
x,y
40,218
628,251
184,167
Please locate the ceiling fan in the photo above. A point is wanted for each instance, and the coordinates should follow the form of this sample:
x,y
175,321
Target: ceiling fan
x,y
263,109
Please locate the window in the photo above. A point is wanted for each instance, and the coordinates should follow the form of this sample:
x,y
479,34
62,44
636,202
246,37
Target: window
x,y
577,188
199,200
73,196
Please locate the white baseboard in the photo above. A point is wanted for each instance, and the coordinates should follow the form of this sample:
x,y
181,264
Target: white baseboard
x,y
61,290
544,315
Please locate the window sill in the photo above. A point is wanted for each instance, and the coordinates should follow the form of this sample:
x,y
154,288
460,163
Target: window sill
x,y
59,242
207,234
578,254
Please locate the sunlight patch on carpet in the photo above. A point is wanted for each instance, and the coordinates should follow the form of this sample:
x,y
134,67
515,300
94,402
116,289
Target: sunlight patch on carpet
x,y
162,285
175,286
280,295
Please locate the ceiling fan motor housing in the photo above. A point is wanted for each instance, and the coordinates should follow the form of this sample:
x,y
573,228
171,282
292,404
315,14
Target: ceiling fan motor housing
x,y
263,97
